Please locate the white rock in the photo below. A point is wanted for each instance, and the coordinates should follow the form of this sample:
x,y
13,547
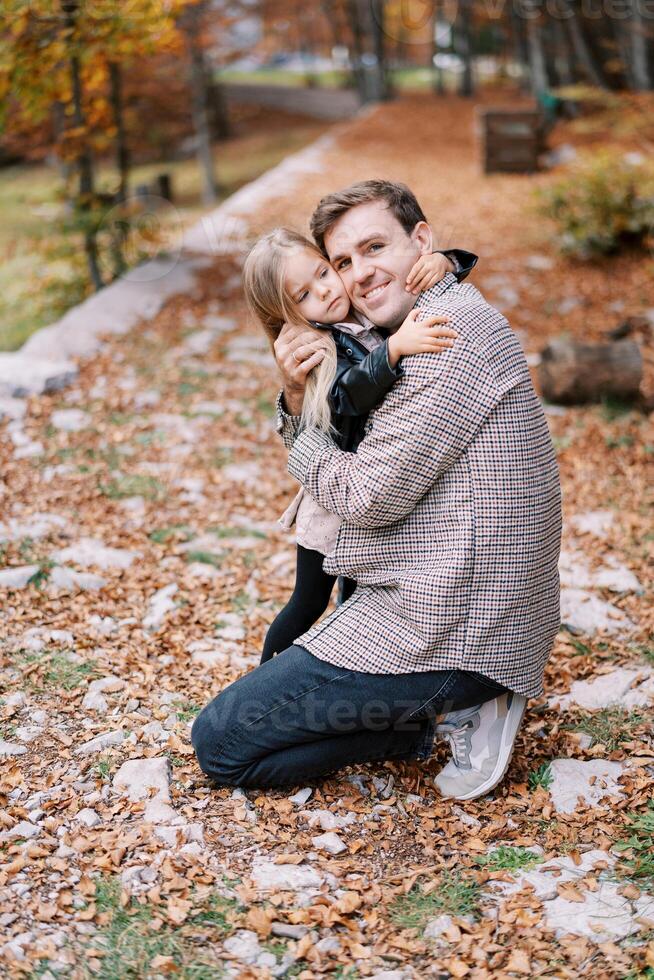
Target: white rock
x,y
266,960
629,688
35,526
159,605
243,945
28,733
95,702
540,263
466,818
288,931
328,820
331,843
284,877
38,637
137,777
592,780
302,795
23,829
580,610
604,916
101,742
219,324
329,944
159,812
202,571
11,749
613,575
89,553
199,342
17,577
209,408
61,577
70,419
22,374
12,408
436,927
595,522
154,729
88,817
16,700
390,975
104,625
210,653
247,473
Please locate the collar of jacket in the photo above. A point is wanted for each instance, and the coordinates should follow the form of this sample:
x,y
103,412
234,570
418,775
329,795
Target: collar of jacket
x,y
429,295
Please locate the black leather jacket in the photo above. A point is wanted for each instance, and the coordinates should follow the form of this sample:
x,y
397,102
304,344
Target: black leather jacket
x,y
363,378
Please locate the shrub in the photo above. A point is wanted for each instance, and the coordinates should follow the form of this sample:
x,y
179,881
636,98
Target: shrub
x,y
602,206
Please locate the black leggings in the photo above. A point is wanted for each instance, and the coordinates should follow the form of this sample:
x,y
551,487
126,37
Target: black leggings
x,y
310,598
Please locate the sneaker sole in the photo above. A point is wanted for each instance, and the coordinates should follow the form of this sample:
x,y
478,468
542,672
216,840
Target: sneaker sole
x,y
513,721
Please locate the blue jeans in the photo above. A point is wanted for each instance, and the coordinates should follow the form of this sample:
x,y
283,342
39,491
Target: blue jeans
x,y
296,717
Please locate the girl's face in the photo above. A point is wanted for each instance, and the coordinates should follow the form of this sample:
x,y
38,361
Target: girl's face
x,y
316,289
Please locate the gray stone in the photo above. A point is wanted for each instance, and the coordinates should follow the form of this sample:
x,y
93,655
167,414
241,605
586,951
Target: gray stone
x,y
595,522
329,944
436,927
209,408
94,699
328,820
582,611
301,797
159,812
23,829
137,777
70,419
101,742
613,575
246,473
88,553
61,577
8,749
288,931
331,843
159,605
18,576
284,877
592,780
22,374
243,945
12,408
628,688
34,526
210,653
88,817
540,263
16,700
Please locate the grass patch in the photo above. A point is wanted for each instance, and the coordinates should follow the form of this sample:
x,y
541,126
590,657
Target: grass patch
x,y
638,848
137,485
57,670
102,768
506,858
235,532
205,557
540,777
611,726
162,535
452,894
131,944
186,710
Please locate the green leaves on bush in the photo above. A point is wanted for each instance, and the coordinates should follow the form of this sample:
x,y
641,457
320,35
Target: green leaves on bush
x,y
604,205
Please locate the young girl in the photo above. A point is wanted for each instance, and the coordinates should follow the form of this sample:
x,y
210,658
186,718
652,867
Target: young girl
x,y
287,278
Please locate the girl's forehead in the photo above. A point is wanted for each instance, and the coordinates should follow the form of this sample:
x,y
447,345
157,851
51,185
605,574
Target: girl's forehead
x,y
302,262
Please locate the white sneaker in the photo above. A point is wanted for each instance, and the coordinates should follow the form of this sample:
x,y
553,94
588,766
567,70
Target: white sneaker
x,y
482,740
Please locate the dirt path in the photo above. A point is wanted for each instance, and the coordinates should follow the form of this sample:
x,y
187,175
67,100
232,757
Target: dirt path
x,y
141,506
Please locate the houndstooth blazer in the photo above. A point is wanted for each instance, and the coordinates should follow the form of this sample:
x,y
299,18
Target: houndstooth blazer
x,y
451,509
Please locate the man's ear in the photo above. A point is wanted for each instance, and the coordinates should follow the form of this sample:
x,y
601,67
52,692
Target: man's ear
x,y
422,237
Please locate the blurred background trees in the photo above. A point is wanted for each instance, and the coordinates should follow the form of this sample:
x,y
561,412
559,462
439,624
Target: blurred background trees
x,y
109,103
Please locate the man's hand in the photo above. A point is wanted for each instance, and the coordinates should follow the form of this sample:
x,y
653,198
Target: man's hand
x,y
297,351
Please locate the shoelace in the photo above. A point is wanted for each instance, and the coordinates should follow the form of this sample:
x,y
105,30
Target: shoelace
x,y
461,744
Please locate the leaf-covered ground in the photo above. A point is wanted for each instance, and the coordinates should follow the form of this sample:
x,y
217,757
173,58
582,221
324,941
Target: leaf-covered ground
x,y
164,449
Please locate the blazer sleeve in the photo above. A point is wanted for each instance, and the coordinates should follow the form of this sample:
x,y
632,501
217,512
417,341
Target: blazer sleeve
x,y
358,388
464,262
420,429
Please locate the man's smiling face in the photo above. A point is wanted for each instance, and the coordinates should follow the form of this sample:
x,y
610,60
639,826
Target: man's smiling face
x,y
373,255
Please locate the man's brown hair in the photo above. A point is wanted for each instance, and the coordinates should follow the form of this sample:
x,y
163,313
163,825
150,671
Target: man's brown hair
x,y
399,199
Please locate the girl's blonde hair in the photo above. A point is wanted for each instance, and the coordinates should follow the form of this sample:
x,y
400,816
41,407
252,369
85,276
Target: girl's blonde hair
x,y
272,305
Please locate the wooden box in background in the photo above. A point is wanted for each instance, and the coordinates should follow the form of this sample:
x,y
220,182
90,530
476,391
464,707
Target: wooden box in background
x,y
511,139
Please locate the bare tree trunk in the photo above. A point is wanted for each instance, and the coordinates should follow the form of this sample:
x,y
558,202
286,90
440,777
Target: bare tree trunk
x,y
537,63
122,151
463,31
438,81
379,47
563,55
191,23
642,78
84,160
583,53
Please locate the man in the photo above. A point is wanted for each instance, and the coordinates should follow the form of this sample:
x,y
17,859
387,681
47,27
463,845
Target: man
x,y
452,523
